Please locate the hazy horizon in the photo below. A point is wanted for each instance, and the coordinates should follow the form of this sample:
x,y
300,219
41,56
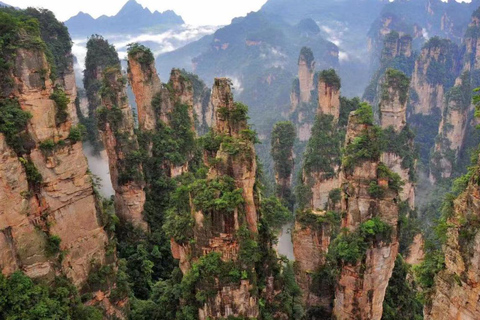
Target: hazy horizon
x,y
193,12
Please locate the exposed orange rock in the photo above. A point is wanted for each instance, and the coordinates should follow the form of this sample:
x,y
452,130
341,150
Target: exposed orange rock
x,y
129,195
145,85
457,287
64,204
361,287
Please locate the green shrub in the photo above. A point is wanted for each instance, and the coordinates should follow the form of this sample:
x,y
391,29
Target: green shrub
x,y
47,145
77,133
376,230
331,78
52,246
13,121
61,104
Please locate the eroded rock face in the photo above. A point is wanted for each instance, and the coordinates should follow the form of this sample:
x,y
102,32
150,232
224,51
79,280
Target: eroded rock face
x,y
452,130
310,246
231,301
362,286
145,84
328,99
63,204
429,88
456,290
217,232
393,115
416,252
116,127
306,71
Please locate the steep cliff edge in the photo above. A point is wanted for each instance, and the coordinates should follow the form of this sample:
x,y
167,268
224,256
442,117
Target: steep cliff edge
x,y
319,190
399,154
116,124
370,190
145,83
397,53
222,209
452,130
303,99
455,292
51,223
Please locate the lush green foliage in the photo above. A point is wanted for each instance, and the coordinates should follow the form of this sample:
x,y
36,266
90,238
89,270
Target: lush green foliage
x,y
53,245
401,301
17,30
141,53
13,123
364,114
100,56
57,39
398,82
282,140
61,104
323,151
23,299
77,133
402,144
274,213
351,247
366,147
331,78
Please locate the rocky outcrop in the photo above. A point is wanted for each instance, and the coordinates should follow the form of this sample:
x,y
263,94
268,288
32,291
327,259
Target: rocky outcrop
x,y
434,74
116,124
322,155
329,94
456,289
400,150
320,183
221,230
452,130
416,250
471,41
310,246
302,106
369,198
145,83
47,193
396,54
306,71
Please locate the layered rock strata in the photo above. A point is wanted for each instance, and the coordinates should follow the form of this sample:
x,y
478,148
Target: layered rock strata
x,y
47,191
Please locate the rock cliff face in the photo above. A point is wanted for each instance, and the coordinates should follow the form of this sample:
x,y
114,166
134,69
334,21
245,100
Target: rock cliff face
x,y
396,54
46,189
320,182
434,74
303,104
400,149
456,290
329,95
361,285
218,230
472,52
306,71
115,120
451,133
145,83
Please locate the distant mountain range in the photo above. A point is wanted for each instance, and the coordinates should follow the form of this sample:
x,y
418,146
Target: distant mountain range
x,y
3,4
133,18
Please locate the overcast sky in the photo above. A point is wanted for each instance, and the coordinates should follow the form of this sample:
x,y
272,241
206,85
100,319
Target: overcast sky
x,y
196,12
